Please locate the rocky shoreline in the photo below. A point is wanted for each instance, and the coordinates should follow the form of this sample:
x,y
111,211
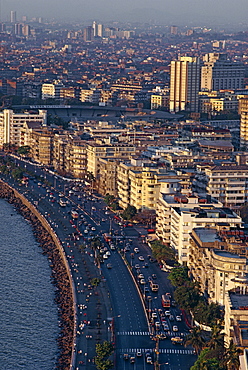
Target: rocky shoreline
x,y
59,277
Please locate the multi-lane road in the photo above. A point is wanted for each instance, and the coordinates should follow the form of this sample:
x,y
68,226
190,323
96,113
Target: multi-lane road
x,y
123,313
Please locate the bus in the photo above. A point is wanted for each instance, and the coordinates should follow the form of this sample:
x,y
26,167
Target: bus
x,y
74,214
165,301
107,237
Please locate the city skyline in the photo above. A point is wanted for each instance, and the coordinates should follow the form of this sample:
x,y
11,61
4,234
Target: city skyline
x,y
158,11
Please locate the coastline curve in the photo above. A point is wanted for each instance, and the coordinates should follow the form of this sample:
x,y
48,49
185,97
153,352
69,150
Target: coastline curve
x,y
53,249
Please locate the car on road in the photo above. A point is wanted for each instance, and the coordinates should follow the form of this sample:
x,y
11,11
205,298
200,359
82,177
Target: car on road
x,y
148,360
167,313
141,276
136,250
126,356
154,276
174,328
139,353
132,360
154,315
162,336
157,325
177,340
171,318
166,327
137,266
142,281
178,318
141,258
109,266
105,256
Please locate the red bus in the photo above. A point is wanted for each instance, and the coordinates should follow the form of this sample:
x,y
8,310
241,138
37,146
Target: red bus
x,y
165,301
107,237
74,214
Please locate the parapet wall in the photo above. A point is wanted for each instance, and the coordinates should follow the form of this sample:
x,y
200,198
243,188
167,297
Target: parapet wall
x,y
18,201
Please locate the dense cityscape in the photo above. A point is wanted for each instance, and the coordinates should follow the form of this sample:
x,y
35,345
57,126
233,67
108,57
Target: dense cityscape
x,y
128,143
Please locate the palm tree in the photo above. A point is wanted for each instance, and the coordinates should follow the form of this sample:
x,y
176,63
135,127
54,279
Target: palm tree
x,y
91,178
217,337
195,339
231,358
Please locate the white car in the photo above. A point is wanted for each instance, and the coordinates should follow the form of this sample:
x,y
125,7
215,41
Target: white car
x,y
166,327
141,258
157,325
178,318
149,360
105,256
174,328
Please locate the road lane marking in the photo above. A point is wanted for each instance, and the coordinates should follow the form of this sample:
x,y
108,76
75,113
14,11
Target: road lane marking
x,y
161,350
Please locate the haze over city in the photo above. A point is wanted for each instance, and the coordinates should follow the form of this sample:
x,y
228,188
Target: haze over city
x,y
180,12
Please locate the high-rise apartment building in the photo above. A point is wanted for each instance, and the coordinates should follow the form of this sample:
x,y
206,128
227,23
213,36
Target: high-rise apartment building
x,y
243,111
88,33
95,28
12,123
100,30
185,76
174,30
219,73
13,16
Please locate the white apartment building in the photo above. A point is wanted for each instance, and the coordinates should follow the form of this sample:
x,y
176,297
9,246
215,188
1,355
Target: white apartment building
x,y
178,215
227,184
215,265
90,96
185,75
51,90
219,73
236,319
11,125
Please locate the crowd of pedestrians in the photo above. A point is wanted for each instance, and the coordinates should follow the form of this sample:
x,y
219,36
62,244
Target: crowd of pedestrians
x,y
59,276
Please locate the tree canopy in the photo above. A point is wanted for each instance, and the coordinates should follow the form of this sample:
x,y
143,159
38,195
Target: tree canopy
x,y
161,251
179,275
129,212
187,296
23,150
103,352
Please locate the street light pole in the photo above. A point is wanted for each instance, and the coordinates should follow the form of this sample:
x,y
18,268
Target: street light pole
x,y
110,225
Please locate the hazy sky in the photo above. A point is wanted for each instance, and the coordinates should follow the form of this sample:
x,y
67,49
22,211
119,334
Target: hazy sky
x,y
158,11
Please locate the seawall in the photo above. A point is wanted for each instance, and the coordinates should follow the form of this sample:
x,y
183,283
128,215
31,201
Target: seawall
x,y
61,277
